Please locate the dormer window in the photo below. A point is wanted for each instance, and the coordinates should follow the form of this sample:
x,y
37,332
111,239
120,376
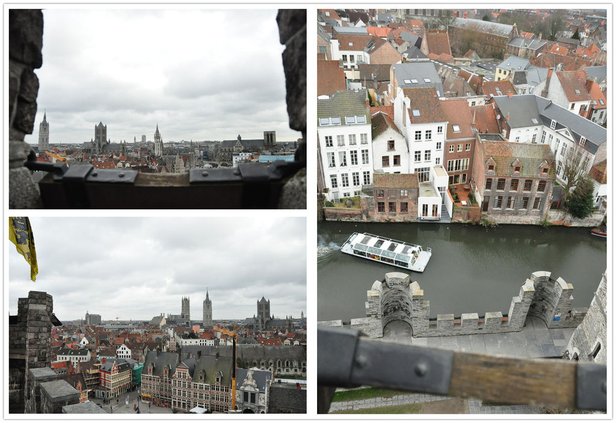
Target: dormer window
x,y
350,43
324,121
416,113
407,81
582,141
553,124
491,167
360,119
427,80
516,169
456,128
414,81
349,120
335,121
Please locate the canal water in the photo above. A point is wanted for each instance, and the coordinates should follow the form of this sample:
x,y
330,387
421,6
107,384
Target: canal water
x,y
472,269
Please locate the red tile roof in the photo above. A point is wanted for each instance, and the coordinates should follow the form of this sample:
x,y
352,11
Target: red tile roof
x,y
353,42
379,31
484,119
573,88
458,112
424,100
596,94
330,77
438,42
498,88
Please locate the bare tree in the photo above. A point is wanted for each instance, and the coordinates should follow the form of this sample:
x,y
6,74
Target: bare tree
x,y
575,168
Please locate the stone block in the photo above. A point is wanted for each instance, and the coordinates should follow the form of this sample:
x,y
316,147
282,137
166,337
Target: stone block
x,y
290,22
26,36
83,408
469,321
29,86
23,119
444,322
294,61
23,192
493,320
294,192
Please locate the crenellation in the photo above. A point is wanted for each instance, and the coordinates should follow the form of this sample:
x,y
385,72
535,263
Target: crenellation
x,y
396,298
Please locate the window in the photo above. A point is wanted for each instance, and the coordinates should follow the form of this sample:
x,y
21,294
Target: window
x,y
392,207
331,159
451,148
340,139
324,121
582,141
391,145
558,168
427,155
342,157
510,201
417,135
468,147
428,134
595,351
500,184
439,130
356,179
439,146
543,137
488,183
344,58
524,203
404,207
364,157
352,139
545,170
363,138
572,105
514,184
534,140
437,160
553,124
541,186
404,193
381,206
353,157
460,147
416,112
417,156
424,210
423,174
491,167
349,120
345,180
329,142
563,150
380,193
385,161
498,202
335,121
536,203
397,160
455,128
517,138
528,184
367,177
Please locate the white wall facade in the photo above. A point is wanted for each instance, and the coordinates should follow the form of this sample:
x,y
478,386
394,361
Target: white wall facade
x,y
380,149
339,145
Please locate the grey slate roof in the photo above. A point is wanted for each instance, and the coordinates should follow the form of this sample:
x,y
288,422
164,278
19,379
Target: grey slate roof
x,y
73,353
160,360
409,37
514,63
208,367
261,377
121,363
533,44
597,73
350,30
519,110
414,52
380,72
419,70
344,103
483,26
249,352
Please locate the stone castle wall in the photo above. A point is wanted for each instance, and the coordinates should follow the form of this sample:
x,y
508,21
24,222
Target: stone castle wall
x,y
541,296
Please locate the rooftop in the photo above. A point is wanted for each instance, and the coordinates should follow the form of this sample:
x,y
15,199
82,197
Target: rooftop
x,y
494,28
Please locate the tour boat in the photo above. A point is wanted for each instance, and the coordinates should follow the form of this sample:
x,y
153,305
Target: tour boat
x,y
389,251
600,231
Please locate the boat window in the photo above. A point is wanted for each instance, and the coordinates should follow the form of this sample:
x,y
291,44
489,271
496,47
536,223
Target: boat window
x,y
404,258
359,253
361,247
389,254
366,239
373,250
401,263
387,260
392,246
379,243
406,249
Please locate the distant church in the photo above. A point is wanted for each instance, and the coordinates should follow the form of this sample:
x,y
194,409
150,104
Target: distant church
x,y
207,311
100,138
43,141
158,143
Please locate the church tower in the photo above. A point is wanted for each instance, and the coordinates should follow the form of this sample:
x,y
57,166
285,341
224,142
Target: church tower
x,y
158,143
186,308
207,311
263,313
100,138
43,142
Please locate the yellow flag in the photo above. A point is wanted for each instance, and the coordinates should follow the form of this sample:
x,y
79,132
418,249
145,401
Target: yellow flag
x,y
20,234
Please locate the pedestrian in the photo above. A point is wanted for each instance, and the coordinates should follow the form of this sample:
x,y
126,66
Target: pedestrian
x,y
111,407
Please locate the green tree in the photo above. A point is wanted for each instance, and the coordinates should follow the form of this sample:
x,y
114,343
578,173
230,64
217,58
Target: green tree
x,y
580,203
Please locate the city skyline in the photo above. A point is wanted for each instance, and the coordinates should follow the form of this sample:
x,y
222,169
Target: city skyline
x,y
135,268
154,66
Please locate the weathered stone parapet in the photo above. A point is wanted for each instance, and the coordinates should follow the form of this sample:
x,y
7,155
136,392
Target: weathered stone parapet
x,y
33,396
25,55
57,394
292,32
87,407
402,300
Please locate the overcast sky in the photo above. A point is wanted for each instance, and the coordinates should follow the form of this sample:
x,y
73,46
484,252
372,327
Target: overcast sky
x,y
140,267
199,74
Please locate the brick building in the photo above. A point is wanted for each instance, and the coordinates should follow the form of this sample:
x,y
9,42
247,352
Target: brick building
x,y
488,39
394,198
460,141
513,178
115,378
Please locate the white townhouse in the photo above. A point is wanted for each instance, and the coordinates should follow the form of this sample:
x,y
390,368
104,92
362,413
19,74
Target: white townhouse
x,y
390,151
74,356
345,143
533,119
124,352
